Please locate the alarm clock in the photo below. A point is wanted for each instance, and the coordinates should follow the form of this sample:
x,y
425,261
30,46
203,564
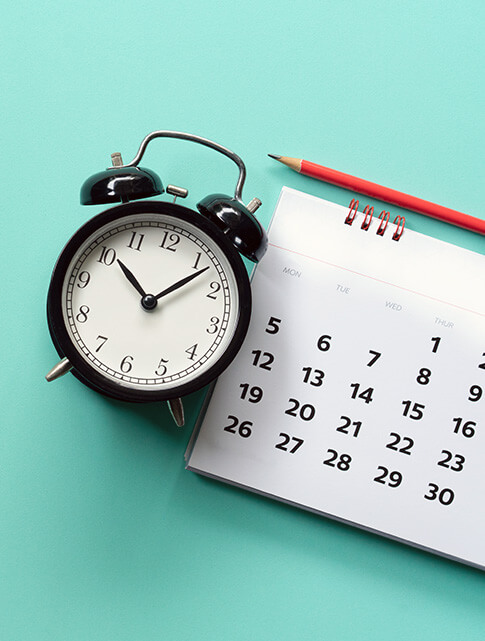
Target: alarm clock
x,y
150,300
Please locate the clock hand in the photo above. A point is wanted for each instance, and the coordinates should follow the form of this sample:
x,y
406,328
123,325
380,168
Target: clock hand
x,y
180,283
129,275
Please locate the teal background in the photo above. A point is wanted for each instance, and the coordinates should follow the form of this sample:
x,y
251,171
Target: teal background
x,y
103,534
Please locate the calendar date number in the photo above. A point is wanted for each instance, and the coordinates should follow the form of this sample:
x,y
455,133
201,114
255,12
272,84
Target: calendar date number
x,y
241,428
264,360
475,393
349,426
313,376
365,395
289,443
414,411
253,394
387,477
306,412
445,496
454,462
338,461
273,326
323,343
402,444
465,428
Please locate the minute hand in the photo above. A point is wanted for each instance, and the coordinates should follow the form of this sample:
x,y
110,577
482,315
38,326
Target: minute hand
x,y
181,283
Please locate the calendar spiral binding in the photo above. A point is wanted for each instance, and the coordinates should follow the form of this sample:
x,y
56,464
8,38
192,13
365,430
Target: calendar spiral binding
x,y
384,217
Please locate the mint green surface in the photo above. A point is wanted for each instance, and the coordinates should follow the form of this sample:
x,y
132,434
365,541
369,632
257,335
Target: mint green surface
x,y
103,534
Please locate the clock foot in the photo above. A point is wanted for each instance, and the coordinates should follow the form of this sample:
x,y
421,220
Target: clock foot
x,y
177,411
59,370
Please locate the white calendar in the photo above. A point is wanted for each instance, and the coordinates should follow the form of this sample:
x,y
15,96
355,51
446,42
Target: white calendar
x,y
359,392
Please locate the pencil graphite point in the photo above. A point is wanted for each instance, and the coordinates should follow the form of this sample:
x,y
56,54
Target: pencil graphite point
x,y
274,156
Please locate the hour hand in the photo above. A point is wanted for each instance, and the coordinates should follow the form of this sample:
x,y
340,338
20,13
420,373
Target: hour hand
x,y
181,283
129,275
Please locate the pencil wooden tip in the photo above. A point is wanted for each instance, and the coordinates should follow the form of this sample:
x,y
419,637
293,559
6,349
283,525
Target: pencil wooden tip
x,y
292,163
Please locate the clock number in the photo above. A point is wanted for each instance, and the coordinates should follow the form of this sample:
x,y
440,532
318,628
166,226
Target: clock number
x,y
262,359
340,461
413,410
273,325
108,256
243,427
197,260
126,364
392,479
404,449
482,365
84,278
253,394
436,340
475,393
423,376
305,412
214,326
82,316
191,351
444,496
286,440
376,355
136,241
162,368
215,286
103,341
366,395
313,376
454,462
344,428
466,428
323,343
170,241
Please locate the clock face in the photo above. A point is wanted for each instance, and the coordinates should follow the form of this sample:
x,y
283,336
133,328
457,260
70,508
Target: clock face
x,y
149,301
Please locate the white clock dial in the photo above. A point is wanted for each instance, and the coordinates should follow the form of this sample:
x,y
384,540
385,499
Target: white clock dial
x,y
150,301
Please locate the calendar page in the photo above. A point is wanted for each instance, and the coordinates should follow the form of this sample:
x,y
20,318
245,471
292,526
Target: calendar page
x,y
359,392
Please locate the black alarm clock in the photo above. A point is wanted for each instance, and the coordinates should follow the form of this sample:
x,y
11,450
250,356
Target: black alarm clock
x,y
150,300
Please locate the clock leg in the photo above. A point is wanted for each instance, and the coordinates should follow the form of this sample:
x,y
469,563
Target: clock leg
x,y
177,411
59,370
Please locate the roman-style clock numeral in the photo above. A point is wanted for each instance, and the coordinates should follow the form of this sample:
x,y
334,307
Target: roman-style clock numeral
x,y
82,315
83,278
136,241
170,240
162,367
103,340
191,351
214,325
108,256
215,287
126,364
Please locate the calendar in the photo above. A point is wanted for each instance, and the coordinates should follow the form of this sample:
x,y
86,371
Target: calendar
x,y
359,392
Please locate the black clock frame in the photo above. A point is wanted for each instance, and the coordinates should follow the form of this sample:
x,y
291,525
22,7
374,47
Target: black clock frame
x,y
63,343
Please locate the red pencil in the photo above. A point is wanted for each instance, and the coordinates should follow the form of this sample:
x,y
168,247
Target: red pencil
x,y
383,193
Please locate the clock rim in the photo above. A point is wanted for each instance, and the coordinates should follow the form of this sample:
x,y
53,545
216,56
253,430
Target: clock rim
x,y
64,344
